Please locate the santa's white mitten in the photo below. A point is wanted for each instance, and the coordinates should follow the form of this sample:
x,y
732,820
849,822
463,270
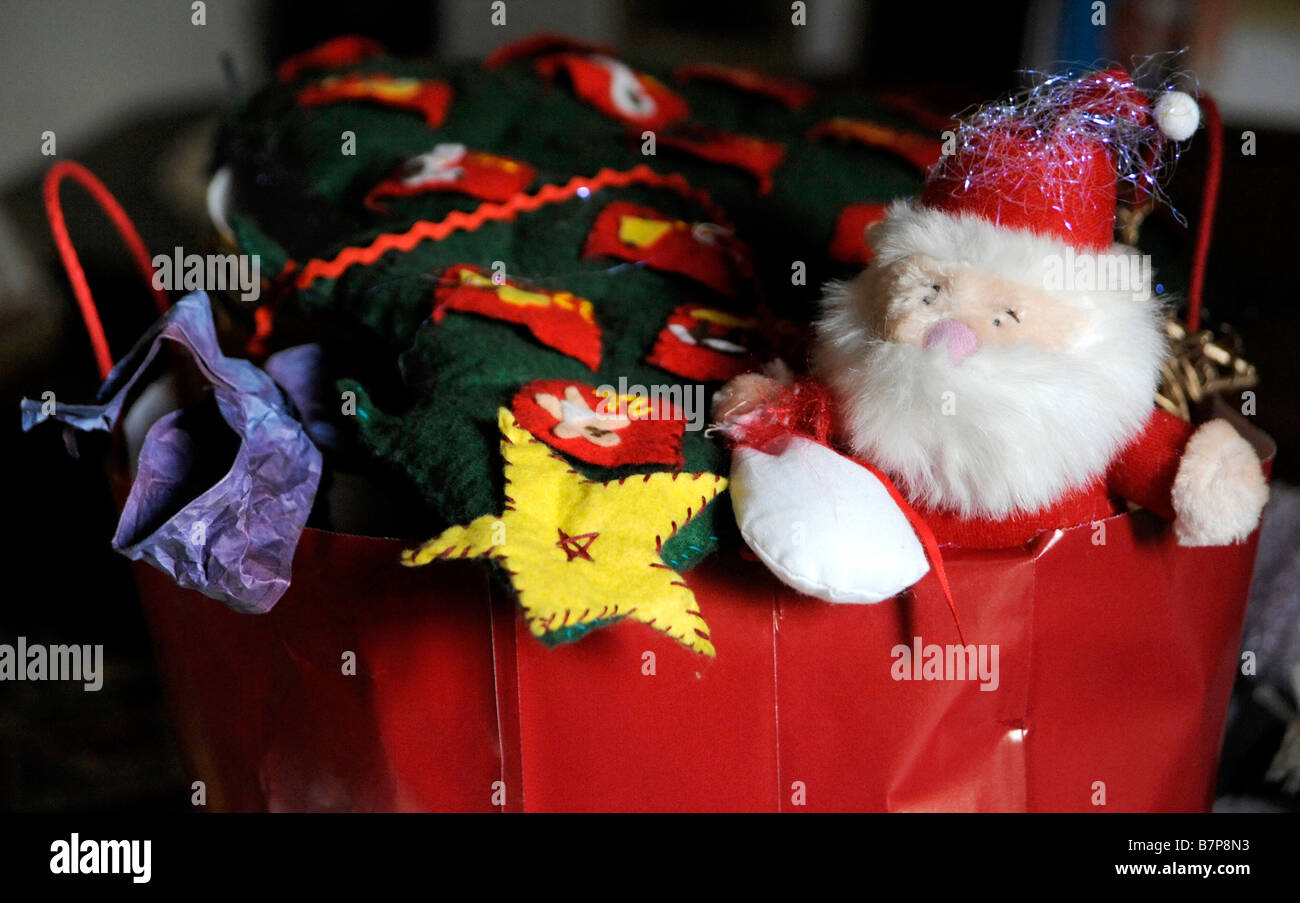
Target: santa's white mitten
x,y
1220,488
823,523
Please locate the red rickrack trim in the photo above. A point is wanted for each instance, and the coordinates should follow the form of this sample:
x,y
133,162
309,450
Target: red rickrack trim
x,y
459,221
76,275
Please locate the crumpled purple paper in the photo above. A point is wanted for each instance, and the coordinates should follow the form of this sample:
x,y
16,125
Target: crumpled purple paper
x,y
235,541
299,372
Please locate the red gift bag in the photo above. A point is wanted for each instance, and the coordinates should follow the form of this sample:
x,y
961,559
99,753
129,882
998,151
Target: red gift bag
x,y
1114,666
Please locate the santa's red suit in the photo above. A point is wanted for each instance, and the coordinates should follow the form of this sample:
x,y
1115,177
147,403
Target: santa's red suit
x,y
1142,473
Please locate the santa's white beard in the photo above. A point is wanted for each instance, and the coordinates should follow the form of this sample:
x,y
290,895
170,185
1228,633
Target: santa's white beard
x,y
1008,430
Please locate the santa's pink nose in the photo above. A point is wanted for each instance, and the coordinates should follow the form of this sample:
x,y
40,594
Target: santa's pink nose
x,y
959,338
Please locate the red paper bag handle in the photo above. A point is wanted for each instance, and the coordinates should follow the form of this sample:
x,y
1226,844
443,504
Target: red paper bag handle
x,y
1209,200
76,275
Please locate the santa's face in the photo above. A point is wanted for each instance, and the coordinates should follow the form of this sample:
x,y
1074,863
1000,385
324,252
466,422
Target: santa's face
x,y
980,393
962,310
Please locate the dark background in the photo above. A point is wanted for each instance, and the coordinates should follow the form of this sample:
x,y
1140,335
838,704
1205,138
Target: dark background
x,y
62,749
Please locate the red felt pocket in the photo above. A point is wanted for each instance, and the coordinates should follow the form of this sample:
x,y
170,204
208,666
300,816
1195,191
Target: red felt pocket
x,y
345,50
849,244
755,156
602,425
617,90
706,252
920,150
451,167
792,94
558,319
703,343
428,97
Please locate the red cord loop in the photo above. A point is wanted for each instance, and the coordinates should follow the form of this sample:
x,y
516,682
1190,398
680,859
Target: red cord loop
x,y
1210,199
76,275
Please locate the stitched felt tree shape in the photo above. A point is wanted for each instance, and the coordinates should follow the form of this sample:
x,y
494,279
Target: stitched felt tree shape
x,y
553,185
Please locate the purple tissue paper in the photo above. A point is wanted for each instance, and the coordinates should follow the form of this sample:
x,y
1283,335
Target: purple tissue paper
x,y
234,540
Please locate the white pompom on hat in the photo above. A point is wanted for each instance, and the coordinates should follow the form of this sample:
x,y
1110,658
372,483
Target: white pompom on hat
x,y
1177,115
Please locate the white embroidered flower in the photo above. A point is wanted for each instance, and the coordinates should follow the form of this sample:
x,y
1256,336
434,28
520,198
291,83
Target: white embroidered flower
x,y
578,420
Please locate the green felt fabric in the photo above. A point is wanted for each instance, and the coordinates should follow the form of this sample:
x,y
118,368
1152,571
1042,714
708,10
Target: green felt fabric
x,y
428,393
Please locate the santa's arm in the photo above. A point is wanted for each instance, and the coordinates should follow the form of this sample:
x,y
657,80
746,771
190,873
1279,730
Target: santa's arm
x,y
1206,479
825,524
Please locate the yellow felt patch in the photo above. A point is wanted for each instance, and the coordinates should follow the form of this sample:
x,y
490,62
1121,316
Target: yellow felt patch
x,y
397,89
722,318
512,294
578,550
507,293
640,232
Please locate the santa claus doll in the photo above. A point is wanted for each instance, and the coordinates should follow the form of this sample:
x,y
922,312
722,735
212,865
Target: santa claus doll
x,y
962,393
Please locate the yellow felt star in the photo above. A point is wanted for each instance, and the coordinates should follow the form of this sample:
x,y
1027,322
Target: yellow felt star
x,y
580,551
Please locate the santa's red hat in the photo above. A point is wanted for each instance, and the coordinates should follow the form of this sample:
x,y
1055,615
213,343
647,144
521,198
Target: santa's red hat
x,y
1049,161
